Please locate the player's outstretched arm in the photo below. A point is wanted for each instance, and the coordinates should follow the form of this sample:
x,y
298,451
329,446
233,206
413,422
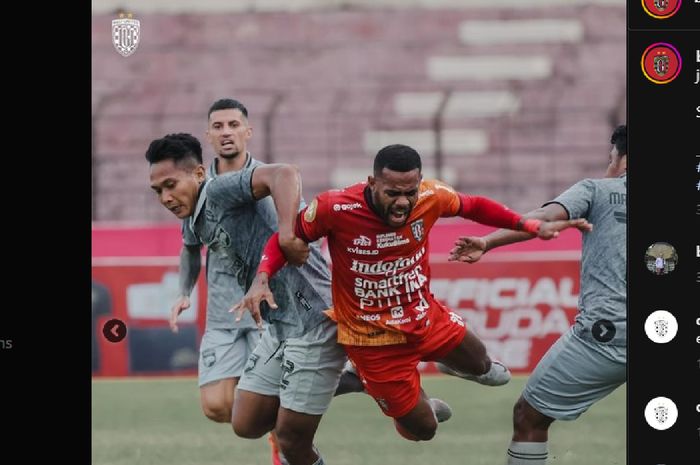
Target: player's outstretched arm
x,y
283,183
190,264
550,229
271,262
553,218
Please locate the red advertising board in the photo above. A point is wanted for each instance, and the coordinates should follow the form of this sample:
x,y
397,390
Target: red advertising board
x,y
518,308
141,292
518,299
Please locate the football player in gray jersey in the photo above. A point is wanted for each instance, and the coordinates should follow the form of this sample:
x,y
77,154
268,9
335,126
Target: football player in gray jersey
x,y
589,361
226,344
291,376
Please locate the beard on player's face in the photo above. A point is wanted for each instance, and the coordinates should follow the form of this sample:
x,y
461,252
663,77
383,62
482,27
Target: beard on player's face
x,y
394,211
394,194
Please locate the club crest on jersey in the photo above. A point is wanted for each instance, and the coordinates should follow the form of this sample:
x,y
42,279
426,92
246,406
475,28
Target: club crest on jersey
x,y
222,238
126,33
418,230
310,214
209,358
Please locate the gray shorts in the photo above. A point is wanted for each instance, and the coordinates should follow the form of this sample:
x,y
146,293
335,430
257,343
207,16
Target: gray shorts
x,y
573,375
223,353
303,372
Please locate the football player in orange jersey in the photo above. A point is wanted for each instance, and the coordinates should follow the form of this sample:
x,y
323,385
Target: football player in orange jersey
x,y
388,320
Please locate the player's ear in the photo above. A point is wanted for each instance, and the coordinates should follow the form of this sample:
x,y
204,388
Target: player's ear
x,y
200,173
370,181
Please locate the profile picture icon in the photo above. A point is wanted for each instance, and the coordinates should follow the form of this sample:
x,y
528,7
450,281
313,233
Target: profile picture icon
x,y
661,63
661,326
661,413
661,9
661,258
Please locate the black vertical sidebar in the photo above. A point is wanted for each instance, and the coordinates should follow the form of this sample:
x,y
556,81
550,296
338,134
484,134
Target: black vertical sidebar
x,y
663,207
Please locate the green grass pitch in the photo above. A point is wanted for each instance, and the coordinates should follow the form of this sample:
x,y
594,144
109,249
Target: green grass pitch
x,y
159,422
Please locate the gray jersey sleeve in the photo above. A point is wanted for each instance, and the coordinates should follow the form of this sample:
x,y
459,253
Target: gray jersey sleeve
x,y
232,189
602,316
188,236
577,199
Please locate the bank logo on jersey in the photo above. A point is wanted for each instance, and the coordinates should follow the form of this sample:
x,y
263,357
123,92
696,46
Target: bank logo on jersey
x,y
418,230
310,214
661,9
661,63
362,241
126,34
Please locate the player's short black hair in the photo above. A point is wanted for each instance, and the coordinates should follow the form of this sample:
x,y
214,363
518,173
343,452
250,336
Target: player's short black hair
x,y
180,147
228,104
397,157
619,138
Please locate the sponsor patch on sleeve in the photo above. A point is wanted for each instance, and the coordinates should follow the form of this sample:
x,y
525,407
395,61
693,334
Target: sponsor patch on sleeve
x,y
310,213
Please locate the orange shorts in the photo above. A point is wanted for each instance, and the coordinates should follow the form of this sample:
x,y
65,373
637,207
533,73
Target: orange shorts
x,y
390,373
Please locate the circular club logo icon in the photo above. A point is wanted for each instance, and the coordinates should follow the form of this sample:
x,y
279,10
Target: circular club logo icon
x,y
661,9
661,413
661,326
661,63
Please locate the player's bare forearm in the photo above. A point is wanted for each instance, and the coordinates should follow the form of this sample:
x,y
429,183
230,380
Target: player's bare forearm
x,y
190,264
283,183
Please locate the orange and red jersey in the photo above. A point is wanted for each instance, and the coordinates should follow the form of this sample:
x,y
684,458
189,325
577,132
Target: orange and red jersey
x,y
380,274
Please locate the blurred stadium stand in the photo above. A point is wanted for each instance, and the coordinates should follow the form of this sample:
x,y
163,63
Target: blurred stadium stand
x,y
514,100
506,98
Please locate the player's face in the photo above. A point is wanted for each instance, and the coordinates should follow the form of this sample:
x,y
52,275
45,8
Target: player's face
x,y
228,132
395,194
177,186
616,164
